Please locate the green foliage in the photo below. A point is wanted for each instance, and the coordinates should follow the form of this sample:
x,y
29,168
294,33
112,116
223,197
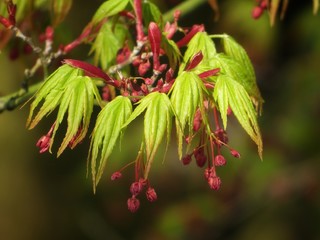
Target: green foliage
x,y
109,8
109,40
187,96
157,122
74,93
151,13
105,134
228,92
237,52
172,51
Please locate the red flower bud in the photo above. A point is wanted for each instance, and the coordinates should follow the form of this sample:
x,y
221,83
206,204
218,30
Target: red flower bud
x,y
154,35
257,12
219,160
214,182
136,188
197,120
133,204
235,153
151,194
49,33
44,143
5,22
116,175
144,68
187,159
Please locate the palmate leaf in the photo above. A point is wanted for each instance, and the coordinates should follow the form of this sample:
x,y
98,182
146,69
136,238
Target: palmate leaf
x,y
200,42
229,92
238,53
109,8
186,97
78,99
51,91
105,134
73,93
172,51
108,42
151,13
157,122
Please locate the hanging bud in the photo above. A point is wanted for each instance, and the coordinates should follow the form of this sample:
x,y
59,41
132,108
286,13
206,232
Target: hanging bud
x,y
136,188
116,175
44,143
187,159
219,160
214,182
235,153
257,12
197,120
151,194
133,204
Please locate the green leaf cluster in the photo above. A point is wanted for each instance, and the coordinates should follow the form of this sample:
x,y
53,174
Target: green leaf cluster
x,y
71,92
108,42
107,130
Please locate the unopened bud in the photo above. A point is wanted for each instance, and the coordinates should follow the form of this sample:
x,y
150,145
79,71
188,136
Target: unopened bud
x,y
151,194
133,204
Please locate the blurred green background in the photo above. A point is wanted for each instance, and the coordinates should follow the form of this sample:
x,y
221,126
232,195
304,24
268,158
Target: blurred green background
x,y
42,197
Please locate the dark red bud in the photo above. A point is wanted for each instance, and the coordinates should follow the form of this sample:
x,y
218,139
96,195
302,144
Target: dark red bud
x,y
44,143
195,60
235,153
197,120
151,194
214,182
219,160
49,33
144,68
133,204
187,159
5,22
257,12
136,188
154,35
186,39
116,175
264,4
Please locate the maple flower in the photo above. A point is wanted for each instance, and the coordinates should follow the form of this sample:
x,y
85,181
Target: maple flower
x,y
133,204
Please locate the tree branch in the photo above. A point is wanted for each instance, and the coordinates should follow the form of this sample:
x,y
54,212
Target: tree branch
x,y
12,101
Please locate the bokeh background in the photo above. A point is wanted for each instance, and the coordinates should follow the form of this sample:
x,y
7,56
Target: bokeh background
x,y
42,197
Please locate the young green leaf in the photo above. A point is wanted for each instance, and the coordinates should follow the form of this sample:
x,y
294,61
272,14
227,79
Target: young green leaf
x,y
237,52
229,92
109,8
51,91
72,92
151,13
187,96
172,51
157,121
105,134
78,99
108,42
